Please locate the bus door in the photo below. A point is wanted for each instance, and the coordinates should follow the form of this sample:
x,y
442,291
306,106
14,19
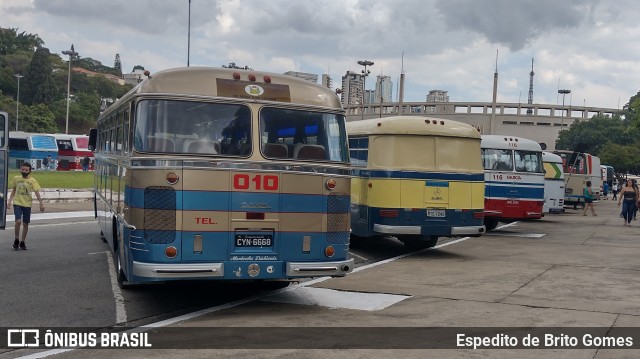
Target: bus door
x,y
4,166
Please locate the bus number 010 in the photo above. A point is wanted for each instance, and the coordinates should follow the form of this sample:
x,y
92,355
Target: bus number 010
x,y
244,181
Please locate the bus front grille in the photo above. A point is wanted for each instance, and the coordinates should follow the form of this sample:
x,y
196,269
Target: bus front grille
x,y
338,218
159,214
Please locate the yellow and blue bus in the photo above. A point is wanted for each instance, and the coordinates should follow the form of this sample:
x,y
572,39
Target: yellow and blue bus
x,y
514,179
415,178
223,174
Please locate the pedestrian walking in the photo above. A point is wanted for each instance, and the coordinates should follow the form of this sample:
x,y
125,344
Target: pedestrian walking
x,y
22,187
605,190
614,190
85,163
628,197
587,192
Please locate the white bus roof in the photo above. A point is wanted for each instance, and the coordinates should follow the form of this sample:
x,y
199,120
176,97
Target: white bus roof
x,y
550,157
509,142
411,125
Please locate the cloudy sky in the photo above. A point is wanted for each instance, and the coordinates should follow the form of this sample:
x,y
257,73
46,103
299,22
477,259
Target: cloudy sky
x,y
591,47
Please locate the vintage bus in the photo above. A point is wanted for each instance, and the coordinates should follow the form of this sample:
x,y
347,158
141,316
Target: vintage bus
x,y
72,149
32,148
415,178
553,183
514,179
608,175
579,168
224,174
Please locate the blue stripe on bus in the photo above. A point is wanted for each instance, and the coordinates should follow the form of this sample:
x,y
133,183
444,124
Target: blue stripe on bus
x,y
418,175
38,155
437,184
242,201
514,192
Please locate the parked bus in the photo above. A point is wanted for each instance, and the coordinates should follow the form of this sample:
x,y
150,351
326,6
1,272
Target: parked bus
x,y
38,149
4,166
607,175
416,178
579,168
514,179
72,149
224,174
553,183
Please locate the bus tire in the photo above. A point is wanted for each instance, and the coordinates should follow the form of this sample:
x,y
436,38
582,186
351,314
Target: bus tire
x,y
490,224
418,242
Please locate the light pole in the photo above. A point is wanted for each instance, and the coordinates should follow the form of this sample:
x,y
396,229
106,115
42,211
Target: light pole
x,y
189,35
71,53
365,73
563,92
18,100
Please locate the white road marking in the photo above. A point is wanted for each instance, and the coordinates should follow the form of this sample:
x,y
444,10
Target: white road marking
x,y
121,312
236,303
361,257
53,215
59,224
521,235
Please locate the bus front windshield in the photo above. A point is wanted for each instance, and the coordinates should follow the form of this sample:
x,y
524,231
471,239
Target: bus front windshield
x,y
170,126
302,135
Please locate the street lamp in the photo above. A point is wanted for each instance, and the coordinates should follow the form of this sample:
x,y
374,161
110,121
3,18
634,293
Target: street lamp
x,y
563,92
365,73
71,53
18,100
189,35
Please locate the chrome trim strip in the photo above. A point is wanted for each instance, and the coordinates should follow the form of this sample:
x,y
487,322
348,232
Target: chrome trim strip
x,y
138,249
467,230
311,269
164,270
382,228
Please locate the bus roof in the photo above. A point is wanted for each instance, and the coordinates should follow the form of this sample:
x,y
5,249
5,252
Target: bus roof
x,y
234,84
509,142
550,157
411,125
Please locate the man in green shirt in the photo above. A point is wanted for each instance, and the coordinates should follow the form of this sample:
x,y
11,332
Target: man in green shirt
x,y
23,185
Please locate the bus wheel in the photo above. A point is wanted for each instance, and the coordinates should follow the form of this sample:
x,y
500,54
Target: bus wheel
x,y
490,224
120,276
418,242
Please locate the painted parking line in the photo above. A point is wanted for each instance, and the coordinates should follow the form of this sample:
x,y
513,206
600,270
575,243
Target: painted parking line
x,y
53,215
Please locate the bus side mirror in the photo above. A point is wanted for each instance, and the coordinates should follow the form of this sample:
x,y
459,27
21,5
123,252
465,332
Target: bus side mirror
x,y
93,137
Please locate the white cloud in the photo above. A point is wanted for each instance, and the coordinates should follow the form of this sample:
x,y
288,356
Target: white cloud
x,y
591,46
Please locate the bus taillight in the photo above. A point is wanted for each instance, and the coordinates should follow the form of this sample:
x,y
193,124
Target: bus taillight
x,y
478,214
389,213
331,184
171,252
329,251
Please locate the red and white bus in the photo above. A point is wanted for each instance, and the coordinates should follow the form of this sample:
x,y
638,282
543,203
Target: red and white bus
x,y
72,149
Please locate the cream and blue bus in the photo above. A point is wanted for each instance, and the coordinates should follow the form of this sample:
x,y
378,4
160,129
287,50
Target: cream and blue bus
x,y
553,183
415,178
514,179
223,174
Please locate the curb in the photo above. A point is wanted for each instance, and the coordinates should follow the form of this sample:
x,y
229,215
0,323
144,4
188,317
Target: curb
x,y
63,195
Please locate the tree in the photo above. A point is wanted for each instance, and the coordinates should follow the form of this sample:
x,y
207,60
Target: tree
x,y
11,41
117,65
594,133
39,86
623,158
